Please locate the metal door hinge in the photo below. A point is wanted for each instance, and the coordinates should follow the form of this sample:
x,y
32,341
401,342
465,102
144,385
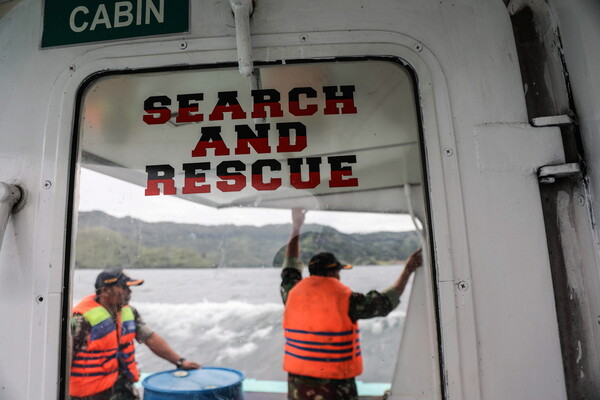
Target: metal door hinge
x,y
549,173
554,120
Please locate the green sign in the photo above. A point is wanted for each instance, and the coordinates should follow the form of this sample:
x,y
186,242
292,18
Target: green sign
x,y
69,22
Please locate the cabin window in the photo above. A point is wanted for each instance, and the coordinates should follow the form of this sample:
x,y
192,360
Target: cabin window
x,y
186,179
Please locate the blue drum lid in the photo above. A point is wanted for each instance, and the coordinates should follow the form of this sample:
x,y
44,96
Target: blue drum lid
x,y
206,379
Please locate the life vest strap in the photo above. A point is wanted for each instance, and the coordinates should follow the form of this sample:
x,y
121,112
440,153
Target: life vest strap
x,y
347,343
320,359
123,355
98,351
321,349
95,373
344,333
101,329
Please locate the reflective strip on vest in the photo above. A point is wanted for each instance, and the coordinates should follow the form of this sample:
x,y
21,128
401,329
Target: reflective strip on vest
x,y
127,346
338,346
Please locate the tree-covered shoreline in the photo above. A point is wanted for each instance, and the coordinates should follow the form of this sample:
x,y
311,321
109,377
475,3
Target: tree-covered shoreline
x,y
104,241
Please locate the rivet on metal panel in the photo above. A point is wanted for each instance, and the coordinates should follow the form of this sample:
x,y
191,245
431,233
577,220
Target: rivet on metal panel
x,y
72,68
418,47
448,151
183,45
303,38
581,200
39,299
47,184
462,286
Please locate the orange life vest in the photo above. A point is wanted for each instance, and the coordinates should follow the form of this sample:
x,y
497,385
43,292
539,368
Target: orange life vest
x,y
320,338
110,348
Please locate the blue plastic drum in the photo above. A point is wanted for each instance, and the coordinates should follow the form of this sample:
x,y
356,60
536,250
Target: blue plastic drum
x,y
207,383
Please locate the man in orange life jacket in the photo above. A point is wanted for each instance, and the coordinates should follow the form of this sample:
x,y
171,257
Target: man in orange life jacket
x,y
322,344
104,327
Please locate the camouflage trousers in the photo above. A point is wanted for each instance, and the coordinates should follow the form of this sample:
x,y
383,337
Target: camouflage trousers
x,y
308,388
124,390
105,395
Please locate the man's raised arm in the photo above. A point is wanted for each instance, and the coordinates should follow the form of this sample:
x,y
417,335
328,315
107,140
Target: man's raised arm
x,y
292,264
414,262
293,247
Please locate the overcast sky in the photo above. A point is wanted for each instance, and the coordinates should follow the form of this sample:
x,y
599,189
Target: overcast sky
x,y
120,199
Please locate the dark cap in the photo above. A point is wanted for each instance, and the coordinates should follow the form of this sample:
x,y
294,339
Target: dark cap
x,y
111,277
326,262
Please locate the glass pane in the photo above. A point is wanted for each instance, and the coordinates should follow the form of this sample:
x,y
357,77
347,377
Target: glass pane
x,y
187,180
337,128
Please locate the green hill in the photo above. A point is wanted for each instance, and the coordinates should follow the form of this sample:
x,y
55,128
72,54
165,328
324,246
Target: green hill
x,y
105,241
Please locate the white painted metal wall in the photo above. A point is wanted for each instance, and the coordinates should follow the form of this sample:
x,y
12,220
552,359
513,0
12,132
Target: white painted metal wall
x,y
498,324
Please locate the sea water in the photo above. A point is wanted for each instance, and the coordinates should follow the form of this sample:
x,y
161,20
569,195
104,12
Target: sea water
x,y
232,317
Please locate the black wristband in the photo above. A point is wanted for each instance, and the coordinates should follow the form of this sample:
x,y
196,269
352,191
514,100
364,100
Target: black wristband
x,y
179,362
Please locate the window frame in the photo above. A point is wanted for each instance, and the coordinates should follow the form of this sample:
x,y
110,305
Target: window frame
x,y
75,166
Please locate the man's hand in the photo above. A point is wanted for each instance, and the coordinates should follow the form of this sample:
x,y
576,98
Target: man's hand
x,y
161,348
414,261
190,365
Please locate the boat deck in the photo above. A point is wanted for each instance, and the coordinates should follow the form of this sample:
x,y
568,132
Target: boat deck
x,y
283,396
255,389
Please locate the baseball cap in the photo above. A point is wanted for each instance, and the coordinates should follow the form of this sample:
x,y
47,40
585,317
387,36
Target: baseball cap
x,y
326,262
111,277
